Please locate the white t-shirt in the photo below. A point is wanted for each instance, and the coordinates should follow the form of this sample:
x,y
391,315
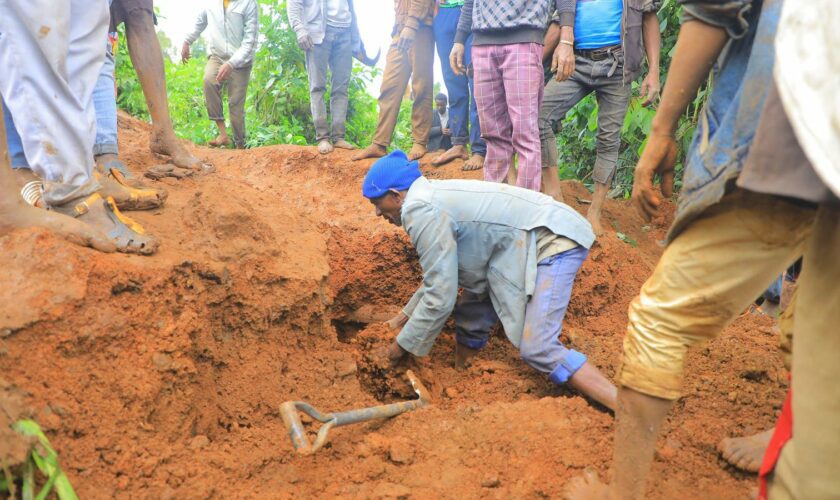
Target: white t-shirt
x,y
338,13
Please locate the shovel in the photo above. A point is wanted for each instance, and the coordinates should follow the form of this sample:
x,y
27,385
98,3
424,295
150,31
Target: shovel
x,y
291,418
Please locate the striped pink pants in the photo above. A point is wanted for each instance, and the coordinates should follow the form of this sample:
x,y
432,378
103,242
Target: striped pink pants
x,y
508,94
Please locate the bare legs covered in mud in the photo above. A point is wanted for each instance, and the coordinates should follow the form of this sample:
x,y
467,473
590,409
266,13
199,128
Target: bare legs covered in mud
x,y
144,48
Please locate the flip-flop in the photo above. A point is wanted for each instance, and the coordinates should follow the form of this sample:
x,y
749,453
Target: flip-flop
x,y
158,172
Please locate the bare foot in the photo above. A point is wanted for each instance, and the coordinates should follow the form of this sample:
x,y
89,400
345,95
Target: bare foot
x,y
127,197
342,144
745,453
476,162
324,147
455,152
175,150
587,487
595,220
220,141
372,151
464,356
417,152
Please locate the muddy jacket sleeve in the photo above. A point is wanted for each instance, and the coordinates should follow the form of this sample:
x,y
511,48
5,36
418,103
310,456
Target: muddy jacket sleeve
x,y
200,25
565,13
418,10
244,55
730,15
433,235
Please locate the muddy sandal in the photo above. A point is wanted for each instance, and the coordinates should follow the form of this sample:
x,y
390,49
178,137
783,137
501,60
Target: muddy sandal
x,y
126,234
139,198
158,172
33,193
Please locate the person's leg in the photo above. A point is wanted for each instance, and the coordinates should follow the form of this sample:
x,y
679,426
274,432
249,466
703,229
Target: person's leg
x,y
105,103
15,214
49,81
422,85
13,140
558,99
613,97
394,81
474,318
237,92
478,149
493,111
540,346
457,86
691,296
341,66
213,100
522,75
146,57
317,60
815,372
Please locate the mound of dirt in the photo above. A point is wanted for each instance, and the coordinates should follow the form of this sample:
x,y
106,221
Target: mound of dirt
x,y
162,376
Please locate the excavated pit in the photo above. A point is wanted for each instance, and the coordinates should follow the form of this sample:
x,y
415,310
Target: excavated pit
x,y
162,377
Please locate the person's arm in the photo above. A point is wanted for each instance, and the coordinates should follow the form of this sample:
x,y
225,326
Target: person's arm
x,y
698,46
355,36
653,42
200,25
462,32
418,10
244,55
433,235
436,124
563,58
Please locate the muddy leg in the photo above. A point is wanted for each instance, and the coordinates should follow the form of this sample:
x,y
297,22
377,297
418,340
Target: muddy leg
x,y
15,214
594,213
144,48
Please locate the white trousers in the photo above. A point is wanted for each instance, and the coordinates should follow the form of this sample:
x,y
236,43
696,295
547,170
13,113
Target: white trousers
x,y
50,57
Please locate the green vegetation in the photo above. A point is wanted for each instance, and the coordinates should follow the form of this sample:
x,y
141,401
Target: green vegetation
x,y
277,108
43,458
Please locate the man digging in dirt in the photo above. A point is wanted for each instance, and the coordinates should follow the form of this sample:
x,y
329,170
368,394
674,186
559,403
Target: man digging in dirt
x,y
514,252
760,189
48,86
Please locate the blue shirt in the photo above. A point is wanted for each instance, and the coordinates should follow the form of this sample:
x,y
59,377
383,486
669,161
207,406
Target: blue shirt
x,y
598,23
479,236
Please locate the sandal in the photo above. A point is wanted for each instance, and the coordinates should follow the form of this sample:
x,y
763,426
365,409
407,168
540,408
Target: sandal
x,y
126,234
158,172
139,198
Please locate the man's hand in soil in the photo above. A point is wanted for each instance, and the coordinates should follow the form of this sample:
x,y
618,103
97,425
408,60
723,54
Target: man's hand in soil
x,y
224,72
659,157
397,321
185,53
406,40
456,59
391,356
305,43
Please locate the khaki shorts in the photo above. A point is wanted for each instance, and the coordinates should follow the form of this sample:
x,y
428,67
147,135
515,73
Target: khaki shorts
x,y
707,276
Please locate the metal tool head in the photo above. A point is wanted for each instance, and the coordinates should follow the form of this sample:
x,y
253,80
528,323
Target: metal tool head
x,y
290,413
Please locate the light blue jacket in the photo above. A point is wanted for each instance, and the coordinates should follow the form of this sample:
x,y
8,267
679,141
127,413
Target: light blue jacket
x,y
477,235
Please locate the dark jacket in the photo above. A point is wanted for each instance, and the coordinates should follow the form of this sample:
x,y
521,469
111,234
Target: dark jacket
x,y
632,41
436,138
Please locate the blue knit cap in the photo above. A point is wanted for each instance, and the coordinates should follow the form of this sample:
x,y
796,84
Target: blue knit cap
x,y
390,172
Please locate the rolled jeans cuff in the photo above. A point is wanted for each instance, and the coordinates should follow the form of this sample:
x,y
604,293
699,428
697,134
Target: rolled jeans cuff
x,y
569,365
460,141
651,381
604,171
105,149
475,344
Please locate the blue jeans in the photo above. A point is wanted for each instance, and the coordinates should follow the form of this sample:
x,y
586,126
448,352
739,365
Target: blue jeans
x,y
105,102
540,346
463,115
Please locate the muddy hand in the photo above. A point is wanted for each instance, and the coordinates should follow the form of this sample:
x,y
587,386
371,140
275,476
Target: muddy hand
x,y
659,157
391,356
397,321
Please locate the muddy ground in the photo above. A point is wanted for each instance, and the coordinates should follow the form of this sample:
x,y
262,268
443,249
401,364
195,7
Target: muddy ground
x,y
161,377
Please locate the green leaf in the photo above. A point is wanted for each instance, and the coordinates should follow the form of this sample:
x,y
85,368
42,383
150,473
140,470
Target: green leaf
x,y
626,239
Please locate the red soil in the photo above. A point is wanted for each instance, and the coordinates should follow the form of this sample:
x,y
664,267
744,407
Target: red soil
x,y
162,376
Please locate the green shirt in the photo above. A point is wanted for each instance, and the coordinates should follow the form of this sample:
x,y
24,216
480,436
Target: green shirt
x,y
448,4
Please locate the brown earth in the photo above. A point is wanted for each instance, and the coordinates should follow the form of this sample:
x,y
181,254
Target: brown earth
x,y
162,376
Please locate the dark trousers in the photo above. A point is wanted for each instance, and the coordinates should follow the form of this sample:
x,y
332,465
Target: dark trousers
x,y
463,115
